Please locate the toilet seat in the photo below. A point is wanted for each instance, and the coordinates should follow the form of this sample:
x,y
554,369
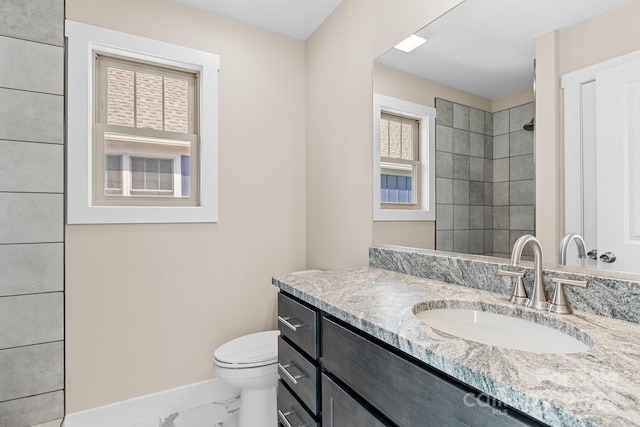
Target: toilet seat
x,y
249,351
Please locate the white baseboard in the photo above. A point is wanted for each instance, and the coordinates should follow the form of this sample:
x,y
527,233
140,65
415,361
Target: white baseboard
x,y
143,408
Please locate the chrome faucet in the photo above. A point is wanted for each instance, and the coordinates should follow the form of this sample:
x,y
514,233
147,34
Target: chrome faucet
x,y
538,299
564,247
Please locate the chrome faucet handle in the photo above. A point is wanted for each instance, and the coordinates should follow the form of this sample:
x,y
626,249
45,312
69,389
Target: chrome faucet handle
x,y
559,302
519,294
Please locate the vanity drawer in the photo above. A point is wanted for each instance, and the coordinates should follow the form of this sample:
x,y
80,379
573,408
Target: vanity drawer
x,y
291,413
299,324
300,375
405,392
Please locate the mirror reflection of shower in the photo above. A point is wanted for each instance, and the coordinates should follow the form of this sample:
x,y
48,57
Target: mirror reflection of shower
x,y
485,176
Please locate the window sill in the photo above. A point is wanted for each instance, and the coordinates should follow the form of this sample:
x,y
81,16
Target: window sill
x,y
403,215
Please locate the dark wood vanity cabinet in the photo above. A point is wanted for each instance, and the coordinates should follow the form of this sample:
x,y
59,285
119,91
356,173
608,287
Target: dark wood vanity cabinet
x,y
298,364
347,378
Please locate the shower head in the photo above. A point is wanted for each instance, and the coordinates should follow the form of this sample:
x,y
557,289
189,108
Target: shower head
x,y
529,125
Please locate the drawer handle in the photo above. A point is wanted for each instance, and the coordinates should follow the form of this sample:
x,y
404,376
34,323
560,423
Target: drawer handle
x,y
293,378
283,418
285,322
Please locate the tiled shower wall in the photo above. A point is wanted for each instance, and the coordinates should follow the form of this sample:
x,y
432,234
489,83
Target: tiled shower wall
x,y
513,178
31,211
484,178
464,171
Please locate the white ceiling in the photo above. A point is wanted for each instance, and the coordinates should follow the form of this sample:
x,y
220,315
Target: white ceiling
x,y
293,18
487,47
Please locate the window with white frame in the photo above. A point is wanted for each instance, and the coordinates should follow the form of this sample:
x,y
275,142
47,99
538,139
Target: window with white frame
x,y
403,160
144,134
142,125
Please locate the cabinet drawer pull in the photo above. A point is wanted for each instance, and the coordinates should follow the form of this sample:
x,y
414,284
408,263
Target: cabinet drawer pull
x,y
293,378
283,418
285,322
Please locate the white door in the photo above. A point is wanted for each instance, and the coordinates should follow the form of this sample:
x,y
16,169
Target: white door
x,y
618,166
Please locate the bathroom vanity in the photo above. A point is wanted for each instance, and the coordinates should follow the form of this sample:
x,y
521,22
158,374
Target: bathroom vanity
x,y
369,360
360,381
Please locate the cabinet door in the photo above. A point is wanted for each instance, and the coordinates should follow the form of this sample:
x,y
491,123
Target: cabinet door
x,y
341,410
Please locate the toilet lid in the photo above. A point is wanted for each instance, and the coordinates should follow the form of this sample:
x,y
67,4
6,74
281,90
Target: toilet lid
x,y
250,350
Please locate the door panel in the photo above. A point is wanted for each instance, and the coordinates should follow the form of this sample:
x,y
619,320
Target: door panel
x,y
618,165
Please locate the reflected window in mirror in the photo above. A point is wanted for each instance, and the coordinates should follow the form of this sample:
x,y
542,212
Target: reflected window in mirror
x,y
404,171
399,162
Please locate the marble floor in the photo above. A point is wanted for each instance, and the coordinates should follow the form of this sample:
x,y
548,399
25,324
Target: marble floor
x,y
215,414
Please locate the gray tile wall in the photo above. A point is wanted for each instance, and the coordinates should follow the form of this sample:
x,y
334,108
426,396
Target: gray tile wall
x,y
513,178
464,172
485,188
31,212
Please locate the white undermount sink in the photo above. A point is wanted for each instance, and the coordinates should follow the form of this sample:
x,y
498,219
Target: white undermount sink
x,y
500,330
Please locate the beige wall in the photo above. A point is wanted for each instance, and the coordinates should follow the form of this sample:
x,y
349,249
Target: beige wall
x,y
608,36
146,305
412,234
515,99
398,84
340,58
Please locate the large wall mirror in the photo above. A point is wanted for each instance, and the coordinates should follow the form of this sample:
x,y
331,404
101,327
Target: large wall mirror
x,y
476,68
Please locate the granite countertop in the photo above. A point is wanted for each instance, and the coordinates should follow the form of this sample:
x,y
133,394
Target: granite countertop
x,y
598,387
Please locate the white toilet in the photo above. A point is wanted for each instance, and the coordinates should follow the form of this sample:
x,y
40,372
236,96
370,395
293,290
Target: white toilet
x,y
250,363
